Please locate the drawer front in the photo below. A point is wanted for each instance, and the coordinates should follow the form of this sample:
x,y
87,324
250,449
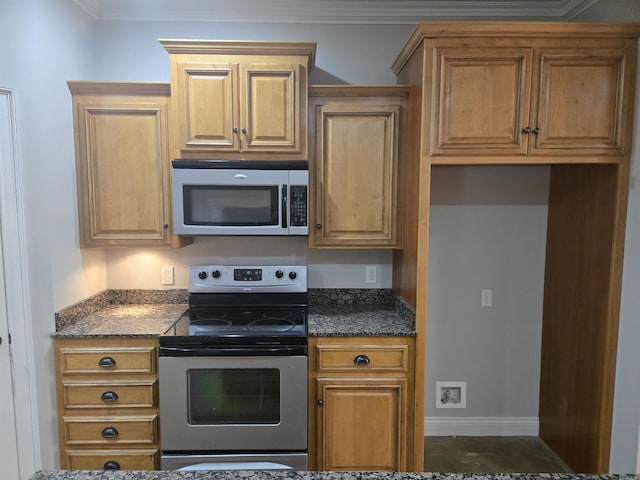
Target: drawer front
x,y
376,358
101,431
138,459
105,360
138,394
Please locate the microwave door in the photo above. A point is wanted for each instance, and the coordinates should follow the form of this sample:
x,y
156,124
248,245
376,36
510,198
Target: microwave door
x,y
230,202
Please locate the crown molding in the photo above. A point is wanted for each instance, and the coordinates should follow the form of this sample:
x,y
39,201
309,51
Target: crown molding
x,y
333,11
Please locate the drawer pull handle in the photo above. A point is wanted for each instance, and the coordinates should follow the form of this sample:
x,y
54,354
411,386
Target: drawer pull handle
x,y
112,465
361,360
109,396
106,362
109,432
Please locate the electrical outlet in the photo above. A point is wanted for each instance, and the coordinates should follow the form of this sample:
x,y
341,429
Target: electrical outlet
x,y
370,274
486,297
168,277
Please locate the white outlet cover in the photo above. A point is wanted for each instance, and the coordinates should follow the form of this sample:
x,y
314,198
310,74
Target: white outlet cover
x,y
168,275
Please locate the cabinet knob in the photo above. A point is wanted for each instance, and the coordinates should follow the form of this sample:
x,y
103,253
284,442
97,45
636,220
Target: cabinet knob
x,y
244,130
109,396
109,432
526,130
106,362
111,465
320,402
361,360
318,226
165,225
536,131
235,129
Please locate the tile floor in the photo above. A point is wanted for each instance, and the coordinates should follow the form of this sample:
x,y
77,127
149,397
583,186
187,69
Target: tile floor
x,y
490,455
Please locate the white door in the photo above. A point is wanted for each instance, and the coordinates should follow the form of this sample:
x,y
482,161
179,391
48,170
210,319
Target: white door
x,y
19,446
8,437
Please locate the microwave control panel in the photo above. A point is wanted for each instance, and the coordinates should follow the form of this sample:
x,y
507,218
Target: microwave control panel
x,y
298,207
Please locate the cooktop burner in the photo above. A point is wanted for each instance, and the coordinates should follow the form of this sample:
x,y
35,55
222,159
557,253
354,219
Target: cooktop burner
x,y
245,305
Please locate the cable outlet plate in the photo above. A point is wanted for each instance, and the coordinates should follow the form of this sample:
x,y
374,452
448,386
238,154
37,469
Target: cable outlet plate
x,y
486,297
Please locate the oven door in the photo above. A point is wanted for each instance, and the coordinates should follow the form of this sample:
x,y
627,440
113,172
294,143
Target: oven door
x,y
241,403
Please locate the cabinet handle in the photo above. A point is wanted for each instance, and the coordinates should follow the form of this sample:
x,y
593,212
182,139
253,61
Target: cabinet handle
x,y
109,432
536,131
106,362
111,465
235,129
361,360
320,402
165,225
109,396
318,226
526,130
244,130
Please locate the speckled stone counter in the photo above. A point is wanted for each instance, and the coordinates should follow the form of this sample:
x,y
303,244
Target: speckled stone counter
x,y
288,475
332,312
125,313
359,312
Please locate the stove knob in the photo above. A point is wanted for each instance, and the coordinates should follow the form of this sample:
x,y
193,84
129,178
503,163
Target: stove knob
x,y
202,275
215,274
293,275
279,274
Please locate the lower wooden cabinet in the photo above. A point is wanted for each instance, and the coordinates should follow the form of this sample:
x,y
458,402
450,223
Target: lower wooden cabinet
x,y
361,389
107,393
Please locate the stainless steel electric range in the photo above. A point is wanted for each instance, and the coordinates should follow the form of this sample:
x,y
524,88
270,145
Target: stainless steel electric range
x,y
233,371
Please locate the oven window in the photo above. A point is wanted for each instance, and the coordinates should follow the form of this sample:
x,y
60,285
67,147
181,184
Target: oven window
x,y
231,206
234,396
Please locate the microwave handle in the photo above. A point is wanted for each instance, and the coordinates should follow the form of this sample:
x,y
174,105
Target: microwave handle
x,y
284,206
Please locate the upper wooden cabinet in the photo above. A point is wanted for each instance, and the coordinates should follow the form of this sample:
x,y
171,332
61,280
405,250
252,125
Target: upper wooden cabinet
x,y
356,146
122,164
236,100
542,91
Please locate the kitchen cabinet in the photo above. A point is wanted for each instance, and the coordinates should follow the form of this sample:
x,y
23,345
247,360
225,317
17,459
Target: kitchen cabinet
x,y
122,164
107,403
361,390
474,88
236,100
535,98
356,150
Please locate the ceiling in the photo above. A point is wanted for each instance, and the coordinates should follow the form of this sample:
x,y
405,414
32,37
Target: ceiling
x,y
333,11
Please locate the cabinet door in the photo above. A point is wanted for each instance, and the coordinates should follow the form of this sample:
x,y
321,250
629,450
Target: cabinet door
x,y
481,101
579,102
270,108
356,175
361,424
206,106
122,162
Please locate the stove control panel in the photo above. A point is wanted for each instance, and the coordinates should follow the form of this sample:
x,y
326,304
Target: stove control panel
x,y
247,279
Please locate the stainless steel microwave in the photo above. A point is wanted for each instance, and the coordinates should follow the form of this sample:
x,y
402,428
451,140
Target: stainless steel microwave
x,y
240,197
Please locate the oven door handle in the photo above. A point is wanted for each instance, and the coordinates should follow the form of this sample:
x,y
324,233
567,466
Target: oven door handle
x,y
231,351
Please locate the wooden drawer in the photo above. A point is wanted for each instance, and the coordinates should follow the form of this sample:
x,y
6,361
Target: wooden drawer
x,y
104,360
358,358
130,459
112,394
120,430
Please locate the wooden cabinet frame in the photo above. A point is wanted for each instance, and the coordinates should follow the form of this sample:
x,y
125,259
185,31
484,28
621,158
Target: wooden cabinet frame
x,y
587,212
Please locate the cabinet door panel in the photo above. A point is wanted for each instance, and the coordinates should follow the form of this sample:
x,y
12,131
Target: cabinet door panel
x,y
356,174
481,101
580,102
124,168
272,105
206,106
362,424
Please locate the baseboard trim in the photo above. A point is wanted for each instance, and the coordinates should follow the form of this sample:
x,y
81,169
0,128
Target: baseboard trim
x,y
481,426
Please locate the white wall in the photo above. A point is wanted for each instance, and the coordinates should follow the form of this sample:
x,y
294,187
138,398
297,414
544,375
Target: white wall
x,y
487,231
44,43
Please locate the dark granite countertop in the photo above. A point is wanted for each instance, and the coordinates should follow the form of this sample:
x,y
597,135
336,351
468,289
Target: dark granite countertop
x,y
149,313
291,475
